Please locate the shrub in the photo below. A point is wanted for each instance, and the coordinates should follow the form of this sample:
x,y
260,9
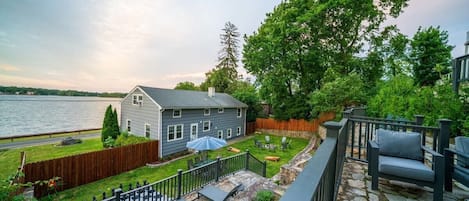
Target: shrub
x,y
126,139
264,195
109,142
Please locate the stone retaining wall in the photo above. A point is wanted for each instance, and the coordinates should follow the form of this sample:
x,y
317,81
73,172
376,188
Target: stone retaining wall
x,y
295,134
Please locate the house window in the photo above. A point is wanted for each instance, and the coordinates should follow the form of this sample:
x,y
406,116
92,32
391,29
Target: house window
x,y
206,126
239,112
147,130
228,133
137,99
206,111
177,113
175,132
128,125
220,134
238,131
221,110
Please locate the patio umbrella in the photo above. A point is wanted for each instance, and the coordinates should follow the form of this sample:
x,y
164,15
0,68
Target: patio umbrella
x,y
206,143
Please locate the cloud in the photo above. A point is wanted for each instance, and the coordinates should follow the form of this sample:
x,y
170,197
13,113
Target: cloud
x,y
185,76
9,68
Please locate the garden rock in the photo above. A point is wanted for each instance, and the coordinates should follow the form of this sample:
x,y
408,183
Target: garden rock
x,y
70,141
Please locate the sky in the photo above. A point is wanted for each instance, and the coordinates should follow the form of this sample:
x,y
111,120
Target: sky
x,y
114,45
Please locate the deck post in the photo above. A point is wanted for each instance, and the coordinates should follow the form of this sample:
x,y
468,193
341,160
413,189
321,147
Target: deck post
x,y
217,172
247,159
443,138
117,192
179,187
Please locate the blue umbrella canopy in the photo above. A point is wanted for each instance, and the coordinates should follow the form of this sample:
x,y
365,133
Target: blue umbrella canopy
x,y
206,143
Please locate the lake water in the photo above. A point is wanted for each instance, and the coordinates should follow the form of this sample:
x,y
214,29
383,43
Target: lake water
x,y
22,115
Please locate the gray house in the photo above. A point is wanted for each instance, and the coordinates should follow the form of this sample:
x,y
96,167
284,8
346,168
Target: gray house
x,y
175,117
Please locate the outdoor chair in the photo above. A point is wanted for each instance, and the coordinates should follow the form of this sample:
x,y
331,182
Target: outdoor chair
x,y
284,139
216,194
267,139
197,160
459,169
258,144
190,164
399,156
284,146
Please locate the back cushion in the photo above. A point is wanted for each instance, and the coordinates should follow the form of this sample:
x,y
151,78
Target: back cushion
x,y
462,145
400,144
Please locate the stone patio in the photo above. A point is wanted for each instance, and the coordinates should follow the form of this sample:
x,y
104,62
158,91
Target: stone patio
x,y
356,186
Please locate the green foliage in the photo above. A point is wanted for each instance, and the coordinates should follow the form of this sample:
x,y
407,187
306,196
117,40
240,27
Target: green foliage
x,y
115,125
393,98
187,86
264,195
110,125
109,142
430,55
123,140
399,97
224,76
300,40
336,95
247,93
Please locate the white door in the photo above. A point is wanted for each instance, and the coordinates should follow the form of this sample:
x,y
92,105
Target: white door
x,y
194,131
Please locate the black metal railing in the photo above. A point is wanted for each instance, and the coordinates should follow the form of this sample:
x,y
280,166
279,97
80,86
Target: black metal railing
x,y
321,177
363,129
185,182
460,71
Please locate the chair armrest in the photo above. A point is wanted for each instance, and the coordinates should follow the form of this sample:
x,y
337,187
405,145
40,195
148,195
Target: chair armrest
x,y
373,145
431,151
458,153
373,157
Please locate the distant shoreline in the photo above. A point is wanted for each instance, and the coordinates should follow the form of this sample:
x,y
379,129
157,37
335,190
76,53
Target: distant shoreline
x,y
29,91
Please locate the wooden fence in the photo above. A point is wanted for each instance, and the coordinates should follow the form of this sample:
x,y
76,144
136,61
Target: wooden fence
x,y
250,127
294,124
85,168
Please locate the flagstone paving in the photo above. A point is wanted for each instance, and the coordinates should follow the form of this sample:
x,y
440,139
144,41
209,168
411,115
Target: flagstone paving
x,y
356,186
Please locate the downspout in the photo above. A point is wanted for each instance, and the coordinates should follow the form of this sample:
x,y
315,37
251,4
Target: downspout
x,y
160,135
245,118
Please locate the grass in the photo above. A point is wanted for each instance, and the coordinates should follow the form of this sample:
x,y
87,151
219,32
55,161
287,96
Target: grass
x,y
86,192
10,159
61,135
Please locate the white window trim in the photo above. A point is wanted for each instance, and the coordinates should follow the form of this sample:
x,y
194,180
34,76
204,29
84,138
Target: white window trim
x,y
180,113
221,110
240,113
205,114
137,97
127,124
145,130
203,126
175,135
229,133
218,134
238,131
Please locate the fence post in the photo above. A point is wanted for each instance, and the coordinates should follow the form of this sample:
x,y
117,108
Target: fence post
x,y
217,169
333,132
179,187
419,119
443,138
346,114
247,159
117,193
264,169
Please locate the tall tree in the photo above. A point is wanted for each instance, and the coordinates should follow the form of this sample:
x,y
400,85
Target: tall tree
x,y
430,55
187,86
106,130
115,125
228,55
300,39
247,93
225,74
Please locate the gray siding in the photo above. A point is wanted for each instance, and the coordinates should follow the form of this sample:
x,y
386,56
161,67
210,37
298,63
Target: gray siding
x,y
139,115
219,121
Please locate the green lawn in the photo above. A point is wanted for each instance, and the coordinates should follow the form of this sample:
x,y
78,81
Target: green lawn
x,y
10,159
85,192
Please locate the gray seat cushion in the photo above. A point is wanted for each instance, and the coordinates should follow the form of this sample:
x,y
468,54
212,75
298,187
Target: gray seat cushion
x,y
406,168
461,175
462,145
400,144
